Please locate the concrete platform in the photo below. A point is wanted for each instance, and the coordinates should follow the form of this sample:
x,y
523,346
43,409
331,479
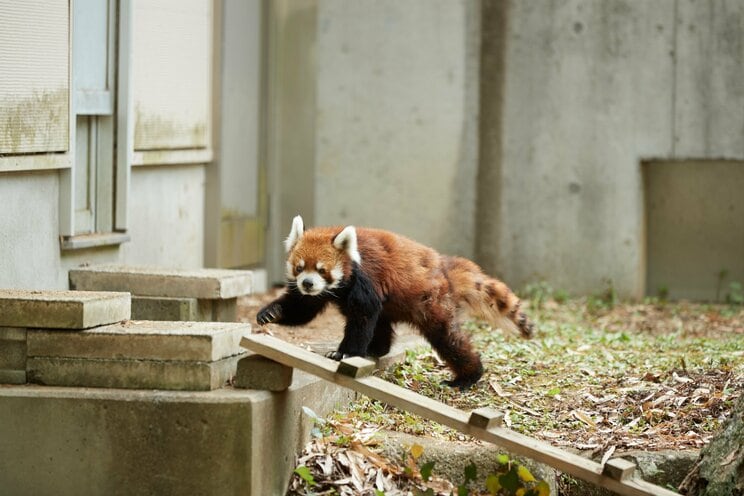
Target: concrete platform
x,y
77,441
62,309
143,340
162,282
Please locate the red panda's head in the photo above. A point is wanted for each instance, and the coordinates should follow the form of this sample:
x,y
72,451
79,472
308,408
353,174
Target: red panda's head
x,y
320,259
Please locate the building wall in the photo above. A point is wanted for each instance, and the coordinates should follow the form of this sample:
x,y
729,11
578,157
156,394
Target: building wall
x,y
588,91
396,118
166,195
167,217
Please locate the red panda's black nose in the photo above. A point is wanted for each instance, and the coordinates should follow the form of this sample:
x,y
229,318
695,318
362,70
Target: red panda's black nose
x,y
307,284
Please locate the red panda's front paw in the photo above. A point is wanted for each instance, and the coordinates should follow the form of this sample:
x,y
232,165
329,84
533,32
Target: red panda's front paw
x,y
336,355
269,313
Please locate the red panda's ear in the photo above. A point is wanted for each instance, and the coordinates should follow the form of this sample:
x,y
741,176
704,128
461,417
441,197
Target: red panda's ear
x,y
346,241
298,229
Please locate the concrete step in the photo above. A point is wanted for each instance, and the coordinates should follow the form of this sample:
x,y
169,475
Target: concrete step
x,y
190,309
131,374
12,355
180,356
62,309
163,282
143,340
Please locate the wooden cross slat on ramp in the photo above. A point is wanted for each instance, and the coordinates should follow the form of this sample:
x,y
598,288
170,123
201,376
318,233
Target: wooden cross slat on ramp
x,y
477,425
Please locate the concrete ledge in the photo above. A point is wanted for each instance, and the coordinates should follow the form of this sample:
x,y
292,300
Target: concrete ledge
x,y
170,309
144,340
131,374
62,309
157,281
76,441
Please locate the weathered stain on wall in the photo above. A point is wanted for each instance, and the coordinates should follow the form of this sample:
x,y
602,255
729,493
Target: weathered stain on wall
x,y
153,130
36,123
172,60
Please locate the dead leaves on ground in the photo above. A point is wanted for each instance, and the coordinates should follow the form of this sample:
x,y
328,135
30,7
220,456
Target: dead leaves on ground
x,y
345,463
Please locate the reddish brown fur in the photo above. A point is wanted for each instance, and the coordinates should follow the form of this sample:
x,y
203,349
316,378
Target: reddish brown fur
x,y
418,285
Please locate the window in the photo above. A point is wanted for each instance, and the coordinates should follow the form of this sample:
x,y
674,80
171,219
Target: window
x,y
93,193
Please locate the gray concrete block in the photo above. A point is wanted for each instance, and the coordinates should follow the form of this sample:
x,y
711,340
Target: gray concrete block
x,y
62,309
144,340
12,334
131,374
225,310
13,349
12,355
12,376
156,281
258,372
120,442
170,309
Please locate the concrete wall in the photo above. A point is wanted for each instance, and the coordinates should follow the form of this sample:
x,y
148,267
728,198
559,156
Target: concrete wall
x,y
167,212
91,441
396,121
585,92
167,217
695,239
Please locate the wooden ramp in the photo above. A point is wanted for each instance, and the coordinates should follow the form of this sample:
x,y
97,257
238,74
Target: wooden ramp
x,y
485,424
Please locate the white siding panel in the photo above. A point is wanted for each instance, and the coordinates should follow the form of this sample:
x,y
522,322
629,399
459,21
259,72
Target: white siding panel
x,y
172,72
34,81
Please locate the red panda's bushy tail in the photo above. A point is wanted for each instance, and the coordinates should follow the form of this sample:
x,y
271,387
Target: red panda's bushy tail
x,y
486,297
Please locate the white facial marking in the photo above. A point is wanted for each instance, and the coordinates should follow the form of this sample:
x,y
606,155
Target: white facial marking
x,y
298,229
337,273
310,283
290,271
347,242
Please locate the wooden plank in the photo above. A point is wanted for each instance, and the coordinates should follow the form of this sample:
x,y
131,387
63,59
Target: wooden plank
x,y
486,418
402,398
356,367
619,468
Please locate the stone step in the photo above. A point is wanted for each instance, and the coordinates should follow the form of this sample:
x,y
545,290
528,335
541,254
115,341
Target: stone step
x,y
192,309
131,374
13,355
163,282
62,309
142,340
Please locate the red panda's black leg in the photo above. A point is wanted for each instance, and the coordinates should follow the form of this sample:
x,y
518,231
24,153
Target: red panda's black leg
x,y
382,339
454,347
292,308
357,336
361,306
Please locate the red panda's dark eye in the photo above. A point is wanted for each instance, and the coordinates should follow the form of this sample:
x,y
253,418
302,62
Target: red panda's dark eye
x,y
322,272
298,269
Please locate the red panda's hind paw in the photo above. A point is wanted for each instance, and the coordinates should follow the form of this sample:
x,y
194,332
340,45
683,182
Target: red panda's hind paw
x,y
461,383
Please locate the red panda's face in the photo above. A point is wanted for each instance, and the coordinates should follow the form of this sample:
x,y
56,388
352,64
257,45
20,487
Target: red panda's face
x,y
315,266
319,259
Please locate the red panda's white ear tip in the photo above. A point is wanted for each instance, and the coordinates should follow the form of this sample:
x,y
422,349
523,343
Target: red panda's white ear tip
x,y
346,241
298,229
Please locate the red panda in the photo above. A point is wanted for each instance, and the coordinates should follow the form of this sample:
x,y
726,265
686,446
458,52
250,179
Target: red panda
x,y
377,278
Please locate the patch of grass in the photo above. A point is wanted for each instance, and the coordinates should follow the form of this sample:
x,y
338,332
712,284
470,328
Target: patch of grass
x,y
598,372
